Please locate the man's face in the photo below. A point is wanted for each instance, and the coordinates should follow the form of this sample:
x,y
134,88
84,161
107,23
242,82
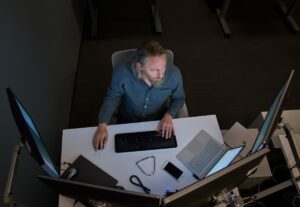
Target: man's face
x,y
154,69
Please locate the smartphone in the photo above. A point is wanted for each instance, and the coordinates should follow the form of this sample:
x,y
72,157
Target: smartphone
x,y
173,170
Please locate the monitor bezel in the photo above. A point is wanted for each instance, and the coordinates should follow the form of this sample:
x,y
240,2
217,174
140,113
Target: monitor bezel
x,y
26,135
276,115
84,192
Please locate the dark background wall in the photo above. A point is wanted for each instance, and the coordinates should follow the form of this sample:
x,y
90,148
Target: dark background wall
x,y
40,42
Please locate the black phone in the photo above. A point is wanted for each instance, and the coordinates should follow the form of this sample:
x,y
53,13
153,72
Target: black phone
x,y
173,170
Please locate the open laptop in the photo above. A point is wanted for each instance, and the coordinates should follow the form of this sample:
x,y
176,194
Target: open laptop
x,y
204,155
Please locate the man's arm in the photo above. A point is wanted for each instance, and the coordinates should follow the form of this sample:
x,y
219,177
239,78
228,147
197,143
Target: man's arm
x,y
100,137
177,99
110,104
113,97
166,126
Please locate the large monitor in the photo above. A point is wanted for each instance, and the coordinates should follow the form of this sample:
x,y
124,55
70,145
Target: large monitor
x,y
32,139
198,193
89,194
30,135
273,116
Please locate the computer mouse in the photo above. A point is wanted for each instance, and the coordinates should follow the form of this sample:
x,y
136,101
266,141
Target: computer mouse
x,y
71,173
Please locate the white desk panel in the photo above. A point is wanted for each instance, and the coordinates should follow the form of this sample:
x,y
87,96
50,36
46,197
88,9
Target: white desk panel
x,y
122,165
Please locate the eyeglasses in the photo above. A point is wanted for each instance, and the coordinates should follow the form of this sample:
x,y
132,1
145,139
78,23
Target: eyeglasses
x,y
139,164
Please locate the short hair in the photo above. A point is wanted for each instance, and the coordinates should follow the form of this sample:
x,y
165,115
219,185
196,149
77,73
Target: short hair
x,y
147,49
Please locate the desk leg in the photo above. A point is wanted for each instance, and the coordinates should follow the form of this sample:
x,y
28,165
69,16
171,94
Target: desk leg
x,y
288,12
272,190
155,13
221,13
94,18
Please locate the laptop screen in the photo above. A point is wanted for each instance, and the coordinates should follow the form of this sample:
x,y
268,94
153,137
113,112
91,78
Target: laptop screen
x,y
225,160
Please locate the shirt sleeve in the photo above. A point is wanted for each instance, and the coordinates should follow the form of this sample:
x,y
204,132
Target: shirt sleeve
x,y
113,97
177,97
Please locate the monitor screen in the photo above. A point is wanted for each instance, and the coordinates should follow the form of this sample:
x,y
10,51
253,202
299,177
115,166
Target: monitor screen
x,y
88,193
30,135
273,116
225,160
198,193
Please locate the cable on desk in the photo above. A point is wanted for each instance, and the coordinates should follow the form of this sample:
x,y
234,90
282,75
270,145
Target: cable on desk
x,y
139,183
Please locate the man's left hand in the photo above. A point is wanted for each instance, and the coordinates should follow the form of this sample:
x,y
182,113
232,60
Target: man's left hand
x,y
166,126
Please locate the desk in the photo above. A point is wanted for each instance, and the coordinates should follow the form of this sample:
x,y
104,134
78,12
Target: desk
x,y
287,11
290,159
93,12
295,172
122,165
238,135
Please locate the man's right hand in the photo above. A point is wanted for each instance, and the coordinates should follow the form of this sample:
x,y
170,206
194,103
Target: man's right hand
x,y
100,137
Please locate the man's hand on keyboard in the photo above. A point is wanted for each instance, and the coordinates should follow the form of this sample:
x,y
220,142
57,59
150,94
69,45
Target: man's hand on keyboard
x,y
100,137
166,126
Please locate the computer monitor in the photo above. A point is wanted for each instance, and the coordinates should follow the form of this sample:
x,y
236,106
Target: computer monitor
x,y
89,194
30,135
273,117
198,193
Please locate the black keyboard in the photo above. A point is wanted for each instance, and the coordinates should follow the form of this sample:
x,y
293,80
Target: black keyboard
x,y
139,141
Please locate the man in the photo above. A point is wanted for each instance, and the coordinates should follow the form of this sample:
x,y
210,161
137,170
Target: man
x,y
148,88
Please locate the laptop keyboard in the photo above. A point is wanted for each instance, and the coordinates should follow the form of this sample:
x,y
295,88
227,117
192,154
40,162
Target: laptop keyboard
x,y
199,162
138,141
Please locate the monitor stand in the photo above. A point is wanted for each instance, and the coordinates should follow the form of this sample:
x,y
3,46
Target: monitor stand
x,y
7,197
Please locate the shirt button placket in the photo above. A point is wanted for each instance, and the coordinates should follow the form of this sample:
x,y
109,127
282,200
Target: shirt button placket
x,y
146,102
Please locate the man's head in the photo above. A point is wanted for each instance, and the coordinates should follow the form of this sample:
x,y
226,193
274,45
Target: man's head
x,y
150,62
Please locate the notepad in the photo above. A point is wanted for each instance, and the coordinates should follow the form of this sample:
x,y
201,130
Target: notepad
x,y
88,172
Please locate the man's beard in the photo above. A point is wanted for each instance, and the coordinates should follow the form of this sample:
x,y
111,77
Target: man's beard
x,y
157,83
154,82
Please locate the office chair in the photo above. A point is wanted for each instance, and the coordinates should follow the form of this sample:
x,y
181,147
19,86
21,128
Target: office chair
x,y
124,56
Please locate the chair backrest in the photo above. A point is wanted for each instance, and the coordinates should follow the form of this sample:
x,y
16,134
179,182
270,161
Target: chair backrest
x,y
123,56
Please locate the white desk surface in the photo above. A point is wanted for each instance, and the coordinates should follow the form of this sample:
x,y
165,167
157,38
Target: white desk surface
x,y
122,165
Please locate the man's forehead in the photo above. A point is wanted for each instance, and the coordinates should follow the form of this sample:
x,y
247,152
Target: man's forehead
x,y
158,59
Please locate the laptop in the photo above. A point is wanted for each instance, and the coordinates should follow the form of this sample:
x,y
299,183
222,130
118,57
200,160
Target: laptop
x,y
204,155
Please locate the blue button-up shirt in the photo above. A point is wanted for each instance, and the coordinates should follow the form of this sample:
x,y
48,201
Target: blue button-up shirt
x,y
136,101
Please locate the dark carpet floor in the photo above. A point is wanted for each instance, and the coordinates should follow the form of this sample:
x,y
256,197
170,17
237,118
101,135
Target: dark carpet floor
x,y
233,78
